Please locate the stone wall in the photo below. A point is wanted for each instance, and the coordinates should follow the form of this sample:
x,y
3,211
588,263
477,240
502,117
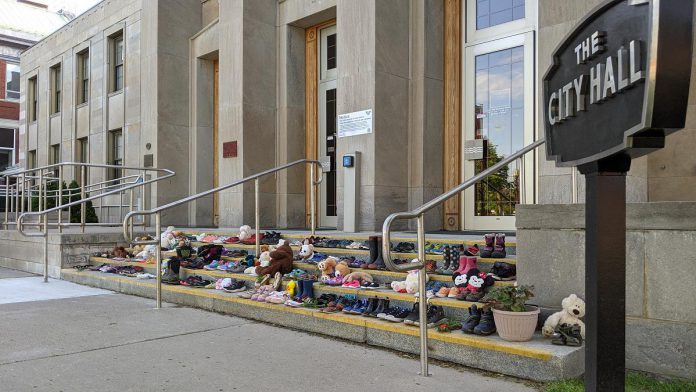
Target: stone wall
x,y
660,275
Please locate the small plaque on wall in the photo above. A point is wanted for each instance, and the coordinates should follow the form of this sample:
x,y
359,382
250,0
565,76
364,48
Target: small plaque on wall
x,y
147,160
229,149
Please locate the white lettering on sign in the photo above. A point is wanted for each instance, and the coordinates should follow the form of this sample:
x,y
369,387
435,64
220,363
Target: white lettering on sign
x,y
607,78
356,123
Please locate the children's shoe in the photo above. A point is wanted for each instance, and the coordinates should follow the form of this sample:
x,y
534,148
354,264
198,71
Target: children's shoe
x,y
235,287
398,315
413,315
472,250
453,292
277,281
488,248
212,266
371,306
475,296
567,335
499,250
352,284
382,305
443,292
472,320
435,315
486,326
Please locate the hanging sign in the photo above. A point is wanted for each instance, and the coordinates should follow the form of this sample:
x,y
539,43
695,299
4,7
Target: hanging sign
x,y
619,82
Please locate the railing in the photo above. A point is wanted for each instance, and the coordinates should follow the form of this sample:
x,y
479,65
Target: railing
x,y
418,214
21,188
102,189
128,228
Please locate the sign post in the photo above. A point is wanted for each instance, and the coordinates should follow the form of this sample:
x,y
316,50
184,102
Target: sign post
x,y
618,86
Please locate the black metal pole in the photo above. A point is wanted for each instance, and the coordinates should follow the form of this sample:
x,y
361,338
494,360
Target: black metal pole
x,y
605,274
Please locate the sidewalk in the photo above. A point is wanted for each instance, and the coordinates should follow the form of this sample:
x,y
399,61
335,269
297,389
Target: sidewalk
x,y
96,340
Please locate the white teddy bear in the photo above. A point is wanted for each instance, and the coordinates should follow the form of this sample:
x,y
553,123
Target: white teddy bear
x,y
245,232
573,309
147,252
306,251
265,259
168,238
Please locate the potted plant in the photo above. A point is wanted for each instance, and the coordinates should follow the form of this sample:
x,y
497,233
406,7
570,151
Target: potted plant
x,y
514,319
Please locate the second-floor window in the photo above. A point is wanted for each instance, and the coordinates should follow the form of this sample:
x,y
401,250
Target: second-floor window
x,y
82,77
82,150
56,84
32,101
116,152
55,154
12,82
117,57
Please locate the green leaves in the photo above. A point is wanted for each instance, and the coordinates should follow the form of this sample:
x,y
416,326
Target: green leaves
x,y
510,298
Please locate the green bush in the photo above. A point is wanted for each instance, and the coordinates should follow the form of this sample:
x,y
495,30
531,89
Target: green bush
x,y
90,214
52,189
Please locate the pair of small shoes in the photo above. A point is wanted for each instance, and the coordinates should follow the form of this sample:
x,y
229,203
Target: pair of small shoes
x,y
479,321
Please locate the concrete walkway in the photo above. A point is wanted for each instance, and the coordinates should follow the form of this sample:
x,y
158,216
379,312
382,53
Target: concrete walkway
x,y
112,342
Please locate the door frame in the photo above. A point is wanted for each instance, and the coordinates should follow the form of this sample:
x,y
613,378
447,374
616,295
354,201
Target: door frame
x,y
216,158
526,39
312,111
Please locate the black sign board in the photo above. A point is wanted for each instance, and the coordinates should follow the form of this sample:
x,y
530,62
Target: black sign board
x,y
619,82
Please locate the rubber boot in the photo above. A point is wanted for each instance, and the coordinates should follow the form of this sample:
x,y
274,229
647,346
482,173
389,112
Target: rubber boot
x,y
487,325
308,288
472,320
470,264
379,261
298,289
454,265
499,250
462,266
488,248
447,257
382,306
371,306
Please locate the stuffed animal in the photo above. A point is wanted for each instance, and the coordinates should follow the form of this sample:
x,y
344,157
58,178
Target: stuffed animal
x,y
306,250
573,308
399,286
265,259
327,268
412,281
361,276
342,269
168,238
281,261
245,232
460,280
147,252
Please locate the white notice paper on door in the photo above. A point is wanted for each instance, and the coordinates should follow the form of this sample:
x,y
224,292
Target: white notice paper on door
x,y
356,123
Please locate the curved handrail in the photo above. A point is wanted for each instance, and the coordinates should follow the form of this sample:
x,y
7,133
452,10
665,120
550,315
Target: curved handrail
x,y
418,212
20,219
129,235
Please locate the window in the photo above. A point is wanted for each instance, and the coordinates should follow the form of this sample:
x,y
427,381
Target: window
x,y
56,82
7,144
115,153
82,77
31,159
117,55
491,13
12,82
82,150
55,154
32,99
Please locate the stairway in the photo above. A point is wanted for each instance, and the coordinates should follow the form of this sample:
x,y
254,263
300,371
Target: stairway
x,y
537,360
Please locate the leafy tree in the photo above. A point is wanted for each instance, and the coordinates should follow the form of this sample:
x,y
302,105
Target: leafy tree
x,y
90,214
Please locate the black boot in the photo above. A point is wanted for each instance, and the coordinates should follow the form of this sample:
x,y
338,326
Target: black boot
x,y
382,307
374,250
472,320
487,325
171,276
379,261
371,306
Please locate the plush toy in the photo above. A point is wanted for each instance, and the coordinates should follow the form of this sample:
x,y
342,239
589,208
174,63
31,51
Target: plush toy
x,y
327,268
119,252
281,261
460,280
412,281
265,259
168,238
306,250
342,269
361,276
265,248
399,286
245,232
573,308
147,252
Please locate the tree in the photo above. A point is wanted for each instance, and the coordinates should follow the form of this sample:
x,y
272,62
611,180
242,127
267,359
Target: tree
x,y
90,214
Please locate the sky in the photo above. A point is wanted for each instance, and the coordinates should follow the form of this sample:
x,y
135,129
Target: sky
x,y
75,6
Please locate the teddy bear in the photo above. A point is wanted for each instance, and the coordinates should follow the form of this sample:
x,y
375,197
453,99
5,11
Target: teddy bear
x,y
342,269
168,239
327,268
139,248
147,252
361,276
306,250
245,232
265,259
412,281
281,260
573,308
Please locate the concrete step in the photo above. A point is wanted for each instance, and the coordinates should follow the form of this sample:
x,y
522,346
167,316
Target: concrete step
x,y
452,307
537,360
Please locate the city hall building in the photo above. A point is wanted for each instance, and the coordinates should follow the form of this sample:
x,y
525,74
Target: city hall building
x,y
422,94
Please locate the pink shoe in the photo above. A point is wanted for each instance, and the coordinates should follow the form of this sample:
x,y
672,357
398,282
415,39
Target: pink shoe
x,y
353,284
470,264
462,265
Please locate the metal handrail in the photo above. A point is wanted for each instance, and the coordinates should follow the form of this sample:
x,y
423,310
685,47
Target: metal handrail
x,y
128,227
42,214
419,213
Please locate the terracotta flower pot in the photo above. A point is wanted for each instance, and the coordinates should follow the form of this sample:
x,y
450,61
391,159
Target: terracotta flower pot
x,y
516,326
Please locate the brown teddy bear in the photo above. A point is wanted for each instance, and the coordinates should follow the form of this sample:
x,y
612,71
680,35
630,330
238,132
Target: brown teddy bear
x,y
327,268
281,261
360,276
342,269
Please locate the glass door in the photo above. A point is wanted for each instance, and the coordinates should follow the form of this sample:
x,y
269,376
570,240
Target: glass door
x,y
498,120
327,125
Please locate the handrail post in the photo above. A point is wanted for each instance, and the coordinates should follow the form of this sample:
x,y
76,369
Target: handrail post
x,y
130,209
312,199
574,184
7,199
422,298
24,179
257,216
83,206
158,258
59,202
522,181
